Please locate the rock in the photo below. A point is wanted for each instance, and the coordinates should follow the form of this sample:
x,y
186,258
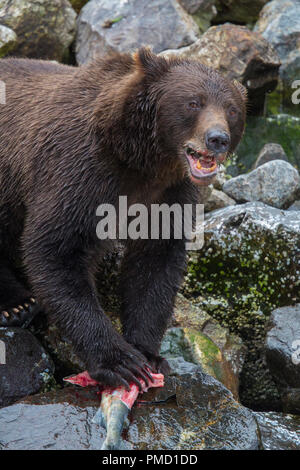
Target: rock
x,y
203,11
281,129
275,183
8,40
283,352
239,54
218,200
270,152
44,28
239,11
295,206
203,415
220,178
248,266
220,354
279,23
111,25
279,431
28,368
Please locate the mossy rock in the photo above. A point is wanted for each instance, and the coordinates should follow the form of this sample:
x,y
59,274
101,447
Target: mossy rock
x,y
250,264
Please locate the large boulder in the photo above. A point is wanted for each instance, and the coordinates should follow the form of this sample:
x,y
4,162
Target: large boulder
x,y
248,266
239,54
279,23
8,40
44,28
239,11
276,183
279,431
111,25
27,368
203,415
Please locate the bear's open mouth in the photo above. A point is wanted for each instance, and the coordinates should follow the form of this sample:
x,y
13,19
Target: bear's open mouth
x,y
203,165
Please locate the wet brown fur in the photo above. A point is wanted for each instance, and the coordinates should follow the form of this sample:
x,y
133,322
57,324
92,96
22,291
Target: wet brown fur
x,y
73,138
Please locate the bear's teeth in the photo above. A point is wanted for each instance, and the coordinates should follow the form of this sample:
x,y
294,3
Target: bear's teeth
x,y
199,166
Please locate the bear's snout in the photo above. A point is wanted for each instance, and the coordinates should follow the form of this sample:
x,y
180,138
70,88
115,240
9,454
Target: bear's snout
x,y
217,140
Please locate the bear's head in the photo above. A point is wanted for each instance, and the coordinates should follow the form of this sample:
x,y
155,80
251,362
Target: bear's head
x,y
199,114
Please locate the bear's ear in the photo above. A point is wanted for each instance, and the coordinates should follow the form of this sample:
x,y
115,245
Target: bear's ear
x,y
242,89
150,64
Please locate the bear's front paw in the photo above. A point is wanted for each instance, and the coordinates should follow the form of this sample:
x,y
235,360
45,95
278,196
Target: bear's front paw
x,y
125,366
159,364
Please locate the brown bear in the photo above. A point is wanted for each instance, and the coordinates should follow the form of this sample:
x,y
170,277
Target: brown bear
x,y
139,125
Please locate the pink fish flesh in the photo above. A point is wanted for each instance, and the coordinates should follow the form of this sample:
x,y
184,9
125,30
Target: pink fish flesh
x,y
115,405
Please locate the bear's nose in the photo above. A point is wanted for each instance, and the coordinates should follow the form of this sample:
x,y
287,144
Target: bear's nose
x,y
217,141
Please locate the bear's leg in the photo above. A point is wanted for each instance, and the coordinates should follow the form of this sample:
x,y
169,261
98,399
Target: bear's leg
x,y
17,306
151,274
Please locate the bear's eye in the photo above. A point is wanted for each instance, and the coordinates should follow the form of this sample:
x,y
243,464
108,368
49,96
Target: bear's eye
x,y
194,105
232,111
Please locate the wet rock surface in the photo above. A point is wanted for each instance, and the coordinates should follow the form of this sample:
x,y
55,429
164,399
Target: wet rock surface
x,y
249,265
27,369
283,345
283,354
202,340
44,28
275,183
279,431
239,54
110,25
197,413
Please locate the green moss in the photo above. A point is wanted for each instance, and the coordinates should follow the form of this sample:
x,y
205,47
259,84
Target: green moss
x,y
239,281
78,4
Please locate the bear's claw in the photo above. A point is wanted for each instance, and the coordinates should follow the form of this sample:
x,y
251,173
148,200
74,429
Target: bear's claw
x,y
21,315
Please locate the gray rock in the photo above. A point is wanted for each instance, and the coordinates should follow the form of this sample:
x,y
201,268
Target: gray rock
x,y
111,25
270,152
279,431
275,183
203,11
283,346
218,200
44,28
28,367
279,23
193,6
295,206
204,415
239,54
8,40
219,353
